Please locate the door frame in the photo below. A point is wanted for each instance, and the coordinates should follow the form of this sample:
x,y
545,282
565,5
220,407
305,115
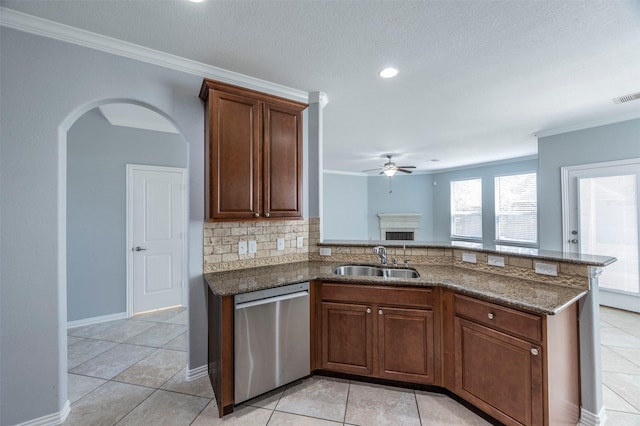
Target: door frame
x,y
130,169
607,297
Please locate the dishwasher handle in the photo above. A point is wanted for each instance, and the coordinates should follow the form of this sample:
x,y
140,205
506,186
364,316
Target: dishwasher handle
x,y
271,300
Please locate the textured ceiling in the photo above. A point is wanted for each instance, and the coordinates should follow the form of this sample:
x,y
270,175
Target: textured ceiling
x,y
477,78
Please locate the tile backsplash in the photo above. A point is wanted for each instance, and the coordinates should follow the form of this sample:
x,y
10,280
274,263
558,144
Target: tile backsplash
x,y
221,242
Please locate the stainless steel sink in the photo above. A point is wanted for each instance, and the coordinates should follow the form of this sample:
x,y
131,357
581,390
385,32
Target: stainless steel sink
x,y
375,271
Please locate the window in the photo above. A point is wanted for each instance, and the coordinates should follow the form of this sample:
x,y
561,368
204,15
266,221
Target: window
x,y
516,208
466,208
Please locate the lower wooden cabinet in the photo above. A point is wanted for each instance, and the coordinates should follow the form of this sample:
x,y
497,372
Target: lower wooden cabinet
x,y
520,368
387,333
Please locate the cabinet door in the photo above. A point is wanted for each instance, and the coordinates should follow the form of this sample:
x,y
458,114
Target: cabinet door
x,y
406,344
346,338
234,156
282,159
498,373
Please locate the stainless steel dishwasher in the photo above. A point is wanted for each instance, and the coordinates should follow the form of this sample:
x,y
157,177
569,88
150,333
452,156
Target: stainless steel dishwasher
x,y
271,339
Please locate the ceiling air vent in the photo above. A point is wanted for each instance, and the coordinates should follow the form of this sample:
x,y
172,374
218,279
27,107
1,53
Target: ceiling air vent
x,y
627,98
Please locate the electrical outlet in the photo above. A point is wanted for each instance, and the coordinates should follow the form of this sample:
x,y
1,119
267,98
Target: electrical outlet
x,y
280,244
253,246
495,261
469,257
242,247
325,251
299,242
546,269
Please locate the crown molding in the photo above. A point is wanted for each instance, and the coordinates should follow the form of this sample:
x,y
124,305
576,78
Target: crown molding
x,y
319,97
589,124
43,27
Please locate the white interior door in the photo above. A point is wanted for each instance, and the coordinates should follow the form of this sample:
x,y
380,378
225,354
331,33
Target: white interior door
x,y
155,234
601,218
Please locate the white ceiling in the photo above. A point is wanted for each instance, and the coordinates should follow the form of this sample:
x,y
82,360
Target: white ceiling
x,y
477,78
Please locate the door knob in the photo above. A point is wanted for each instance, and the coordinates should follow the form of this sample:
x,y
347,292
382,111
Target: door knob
x,y
574,241
138,248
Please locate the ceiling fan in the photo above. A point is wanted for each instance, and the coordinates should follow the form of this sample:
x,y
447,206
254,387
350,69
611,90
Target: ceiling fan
x,y
390,168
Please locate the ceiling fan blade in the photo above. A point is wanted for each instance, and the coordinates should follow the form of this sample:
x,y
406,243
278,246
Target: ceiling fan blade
x,y
371,170
406,167
403,171
381,173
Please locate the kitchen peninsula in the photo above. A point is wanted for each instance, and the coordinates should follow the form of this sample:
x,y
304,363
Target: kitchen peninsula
x,y
510,341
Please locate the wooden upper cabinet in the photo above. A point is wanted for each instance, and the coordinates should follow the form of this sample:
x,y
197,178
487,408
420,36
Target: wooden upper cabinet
x,y
253,154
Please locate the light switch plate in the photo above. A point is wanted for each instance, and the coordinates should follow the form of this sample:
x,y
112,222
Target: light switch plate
x,y
253,246
469,257
299,242
546,269
495,260
280,244
325,251
242,247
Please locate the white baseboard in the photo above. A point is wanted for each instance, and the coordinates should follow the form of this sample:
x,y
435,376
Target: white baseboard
x,y
51,419
197,372
587,418
96,320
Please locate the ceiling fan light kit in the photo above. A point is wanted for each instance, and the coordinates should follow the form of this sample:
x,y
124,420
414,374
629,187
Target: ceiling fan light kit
x,y
389,168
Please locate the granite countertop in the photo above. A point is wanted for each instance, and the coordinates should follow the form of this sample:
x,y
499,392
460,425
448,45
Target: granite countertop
x,y
527,295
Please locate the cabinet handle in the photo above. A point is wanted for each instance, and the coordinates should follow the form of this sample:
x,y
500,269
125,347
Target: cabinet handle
x,y
267,214
534,351
368,310
256,215
379,311
490,315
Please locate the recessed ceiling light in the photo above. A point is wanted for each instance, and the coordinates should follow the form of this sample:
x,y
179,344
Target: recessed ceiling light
x,y
388,72
196,1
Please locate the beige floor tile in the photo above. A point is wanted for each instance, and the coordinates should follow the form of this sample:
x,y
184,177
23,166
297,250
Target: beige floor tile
x,y
85,350
614,362
198,387
109,364
612,401
90,330
278,418
178,344
381,405
107,404
440,410
181,318
626,386
154,369
319,397
72,340
616,418
165,408
158,335
123,331
79,386
631,354
613,336
242,416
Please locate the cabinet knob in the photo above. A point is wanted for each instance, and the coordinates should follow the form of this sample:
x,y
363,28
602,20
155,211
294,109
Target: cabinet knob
x,y
368,310
534,351
256,215
267,214
379,311
490,315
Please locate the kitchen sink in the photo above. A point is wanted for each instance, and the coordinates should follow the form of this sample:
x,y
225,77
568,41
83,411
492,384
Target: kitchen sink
x,y
376,271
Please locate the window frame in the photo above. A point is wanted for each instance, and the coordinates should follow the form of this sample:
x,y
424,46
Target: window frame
x,y
464,238
514,243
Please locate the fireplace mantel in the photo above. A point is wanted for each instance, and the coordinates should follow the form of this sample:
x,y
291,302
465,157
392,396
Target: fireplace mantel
x,y
399,222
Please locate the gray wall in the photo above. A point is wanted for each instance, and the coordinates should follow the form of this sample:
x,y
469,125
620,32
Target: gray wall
x,y
411,194
43,93
97,154
442,199
345,207
617,141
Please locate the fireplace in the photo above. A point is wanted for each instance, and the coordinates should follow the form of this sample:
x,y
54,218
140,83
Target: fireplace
x,y
399,226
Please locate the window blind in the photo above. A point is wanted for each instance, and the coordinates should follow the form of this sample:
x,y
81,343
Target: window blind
x,y
466,208
516,208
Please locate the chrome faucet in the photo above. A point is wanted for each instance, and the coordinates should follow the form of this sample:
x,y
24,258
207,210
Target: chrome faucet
x,y
382,252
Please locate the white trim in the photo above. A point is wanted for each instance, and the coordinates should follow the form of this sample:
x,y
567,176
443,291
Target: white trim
x,y
589,124
319,97
587,418
197,373
96,320
43,27
51,419
130,168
